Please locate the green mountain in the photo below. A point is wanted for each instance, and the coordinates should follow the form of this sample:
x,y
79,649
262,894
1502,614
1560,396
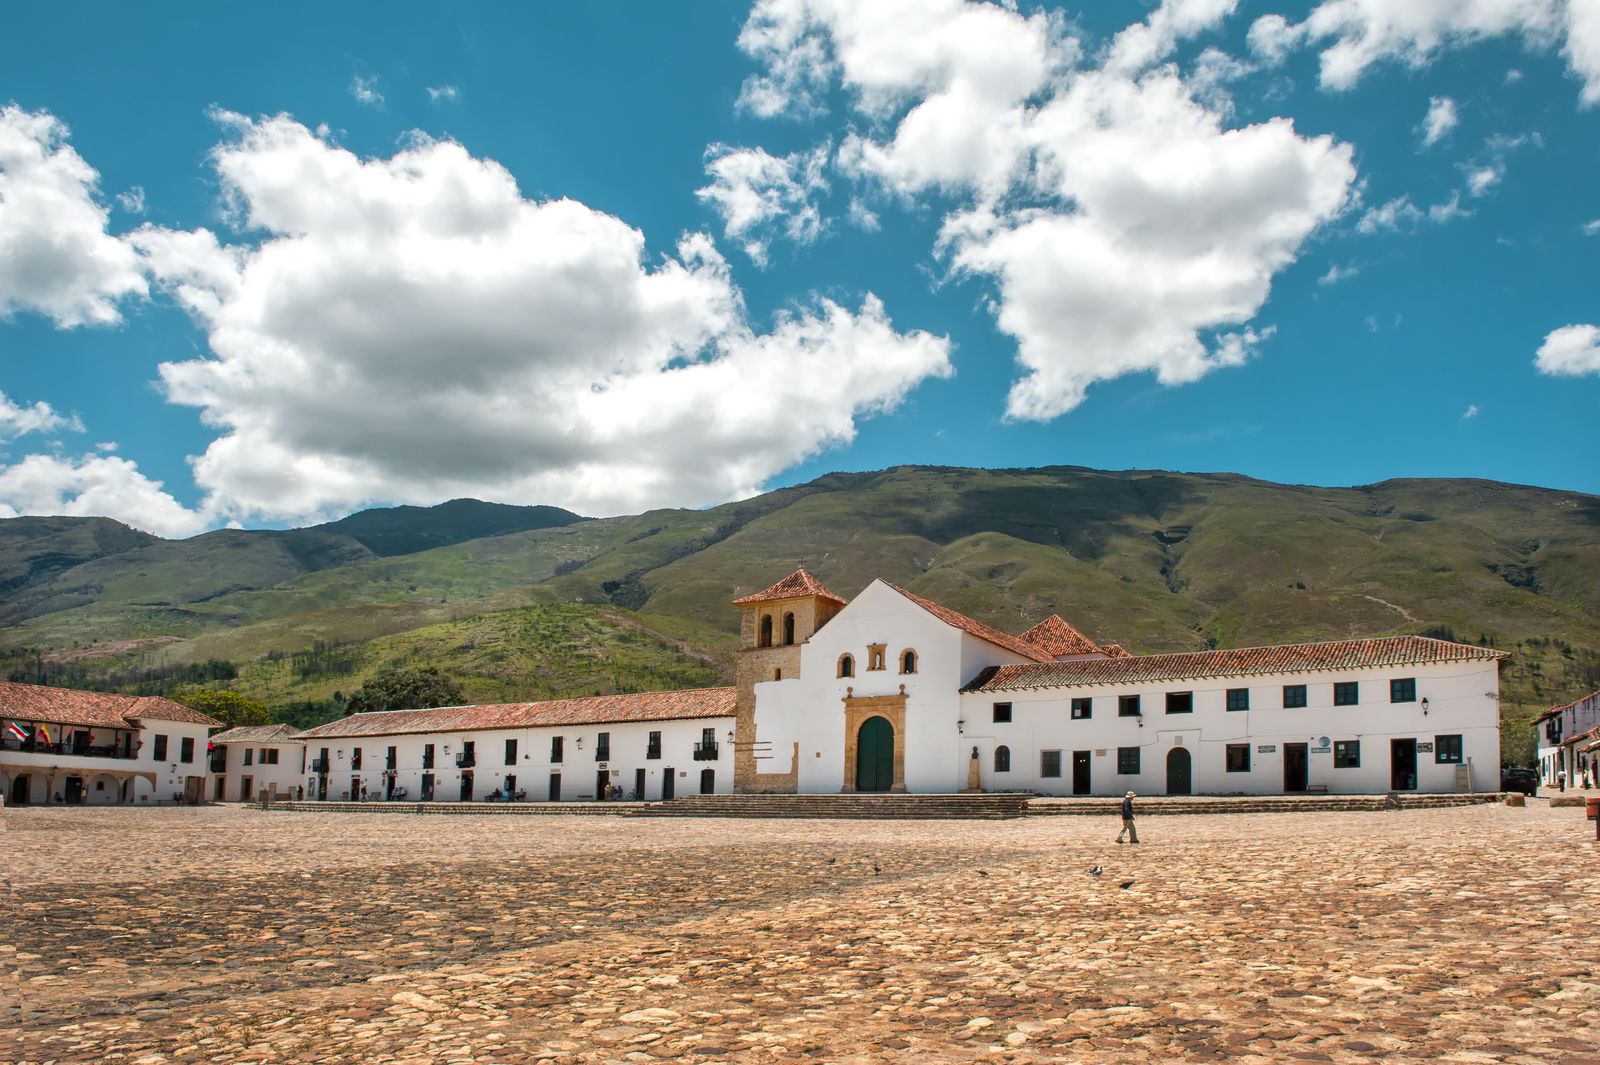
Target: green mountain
x,y
1157,561
407,530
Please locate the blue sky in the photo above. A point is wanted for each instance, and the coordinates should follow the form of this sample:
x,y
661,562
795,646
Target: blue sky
x,y
613,259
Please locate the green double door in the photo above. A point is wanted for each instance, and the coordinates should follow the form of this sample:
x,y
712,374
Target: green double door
x,y
875,755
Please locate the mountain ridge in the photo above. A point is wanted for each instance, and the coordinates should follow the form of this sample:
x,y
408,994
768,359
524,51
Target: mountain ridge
x,y
1154,560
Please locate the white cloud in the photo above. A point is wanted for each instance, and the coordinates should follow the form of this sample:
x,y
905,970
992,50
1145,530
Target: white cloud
x,y
1355,35
1395,214
1470,413
1448,211
760,196
365,90
1571,351
95,485
1146,43
56,257
408,329
1481,179
132,201
1442,117
1512,76
1126,227
17,420
1591,227
863,217
443,93
1337,273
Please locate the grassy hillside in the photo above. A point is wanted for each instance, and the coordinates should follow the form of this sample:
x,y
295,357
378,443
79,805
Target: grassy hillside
x,y
1158,561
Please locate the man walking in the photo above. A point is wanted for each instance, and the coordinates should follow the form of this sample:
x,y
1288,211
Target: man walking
x,y
1561,780
1127,820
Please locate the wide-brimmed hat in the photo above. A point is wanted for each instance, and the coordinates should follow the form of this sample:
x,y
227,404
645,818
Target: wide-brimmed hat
x,y
1130,795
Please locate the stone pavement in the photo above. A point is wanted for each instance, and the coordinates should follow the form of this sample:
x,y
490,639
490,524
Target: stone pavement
x,y
228,935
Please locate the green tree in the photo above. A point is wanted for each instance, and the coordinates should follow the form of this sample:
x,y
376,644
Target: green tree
x,y
228,707
406,689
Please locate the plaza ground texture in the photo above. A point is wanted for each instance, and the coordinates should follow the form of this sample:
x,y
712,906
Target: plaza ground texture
x,y
225,934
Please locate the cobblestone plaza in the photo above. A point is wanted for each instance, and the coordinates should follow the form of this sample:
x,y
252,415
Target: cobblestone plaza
x,y
224,934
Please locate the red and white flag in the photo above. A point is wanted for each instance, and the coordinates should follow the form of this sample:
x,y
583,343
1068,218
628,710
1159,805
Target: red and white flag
x,y
16,732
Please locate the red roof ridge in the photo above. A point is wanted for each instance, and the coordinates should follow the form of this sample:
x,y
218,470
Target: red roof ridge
x,y
1056,636
796,585
74,706
1331,654
620,707
1014,644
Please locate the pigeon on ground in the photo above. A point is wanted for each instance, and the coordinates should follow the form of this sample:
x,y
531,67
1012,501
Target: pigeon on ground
x,y
832,860
877,869
1125,885
1096,871
982,873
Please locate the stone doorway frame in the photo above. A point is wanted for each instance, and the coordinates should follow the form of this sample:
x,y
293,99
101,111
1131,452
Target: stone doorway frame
x,y
857,709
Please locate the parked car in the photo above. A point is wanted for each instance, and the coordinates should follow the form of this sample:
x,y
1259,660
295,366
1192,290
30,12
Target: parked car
x,y
1515,778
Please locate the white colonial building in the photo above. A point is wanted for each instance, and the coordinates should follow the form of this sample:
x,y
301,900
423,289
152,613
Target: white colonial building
x,y
69,746
255,762
644,746
892,692
1569,738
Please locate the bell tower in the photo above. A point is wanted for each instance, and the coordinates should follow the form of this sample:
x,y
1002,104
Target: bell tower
x,y
772,626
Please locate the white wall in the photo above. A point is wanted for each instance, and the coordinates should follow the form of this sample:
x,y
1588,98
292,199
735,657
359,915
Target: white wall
x,y
810,709
279,780
1456,693
578,769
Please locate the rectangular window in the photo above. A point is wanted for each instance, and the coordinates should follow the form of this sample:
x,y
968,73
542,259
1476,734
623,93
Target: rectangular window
x,y
270,756
652,749
392,758
1002,713
1082,709
160,751
249,756
1346,693
1127,706
555,748
1447,750
1238,698
1180,702
1403,690
1294,696
427,756
602,747
1347,754
1127,760
1049,763
1238,758
355,758
186,749
511,752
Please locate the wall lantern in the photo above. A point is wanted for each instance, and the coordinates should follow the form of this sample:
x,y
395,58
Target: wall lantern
x,y
730,737
961,726
580,743
1424,706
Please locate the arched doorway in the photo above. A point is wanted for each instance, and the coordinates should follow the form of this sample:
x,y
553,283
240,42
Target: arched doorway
x,y
875,755
1178,772
21,790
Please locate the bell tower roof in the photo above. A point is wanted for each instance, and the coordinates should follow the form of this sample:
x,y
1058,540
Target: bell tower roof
x,y
798,585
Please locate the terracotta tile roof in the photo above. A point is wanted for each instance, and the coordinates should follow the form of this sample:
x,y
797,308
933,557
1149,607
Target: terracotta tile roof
x,y
1058,639
69,706
1554,710
1014,644
1114,650
796,585
1290,658
593,710
256,734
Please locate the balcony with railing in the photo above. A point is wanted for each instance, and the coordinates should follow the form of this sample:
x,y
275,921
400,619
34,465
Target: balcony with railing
x,y
706,752
466,761
121,751
319,765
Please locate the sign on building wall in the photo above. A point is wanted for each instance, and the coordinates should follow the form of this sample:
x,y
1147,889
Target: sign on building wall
x,y
1267,748
1425,748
